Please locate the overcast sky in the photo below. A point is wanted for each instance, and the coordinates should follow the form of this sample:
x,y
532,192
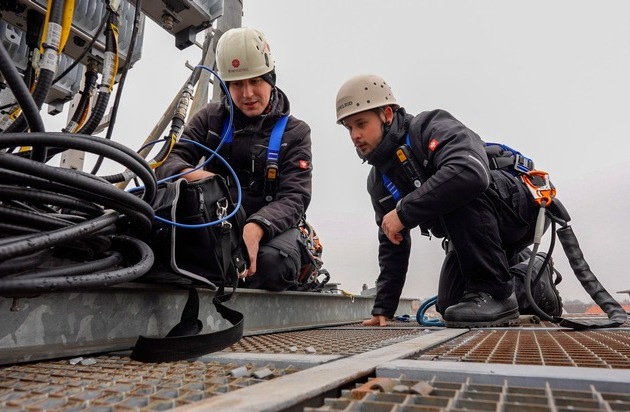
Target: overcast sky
x,y
549,78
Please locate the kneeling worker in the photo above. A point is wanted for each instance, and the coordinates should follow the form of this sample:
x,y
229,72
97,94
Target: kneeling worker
x,y
431,171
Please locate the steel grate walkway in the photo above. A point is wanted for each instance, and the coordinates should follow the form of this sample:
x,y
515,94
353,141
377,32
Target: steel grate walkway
x,y
400,395
112,383
326,341
553,347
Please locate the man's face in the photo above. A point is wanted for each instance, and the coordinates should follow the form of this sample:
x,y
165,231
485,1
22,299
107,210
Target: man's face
x,y
251,96
366,130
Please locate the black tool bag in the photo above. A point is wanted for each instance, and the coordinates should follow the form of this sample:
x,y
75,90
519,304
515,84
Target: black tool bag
x,y
211,256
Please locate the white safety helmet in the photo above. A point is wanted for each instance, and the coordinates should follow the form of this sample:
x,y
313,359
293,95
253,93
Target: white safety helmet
x,y
363,92
243,53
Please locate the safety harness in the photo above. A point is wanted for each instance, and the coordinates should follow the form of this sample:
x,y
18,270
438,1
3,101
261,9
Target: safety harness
x,y
273,151
309,274
410,166
502,157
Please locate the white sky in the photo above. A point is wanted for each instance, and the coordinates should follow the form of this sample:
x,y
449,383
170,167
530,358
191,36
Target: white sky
x,y
548,78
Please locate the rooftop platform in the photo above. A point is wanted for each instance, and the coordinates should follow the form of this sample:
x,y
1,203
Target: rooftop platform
x,y
300,352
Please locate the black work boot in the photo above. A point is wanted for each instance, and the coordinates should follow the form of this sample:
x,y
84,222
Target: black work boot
x,y
480,309
544,291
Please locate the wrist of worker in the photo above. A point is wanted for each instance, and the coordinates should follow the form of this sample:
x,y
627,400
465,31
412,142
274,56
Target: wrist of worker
x,y
401,214
259,226
254,231
192,175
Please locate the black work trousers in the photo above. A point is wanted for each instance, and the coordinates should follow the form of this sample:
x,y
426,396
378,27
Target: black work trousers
x,y
484,238
278,263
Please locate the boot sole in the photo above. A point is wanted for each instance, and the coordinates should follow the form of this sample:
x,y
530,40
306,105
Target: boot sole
x,y
509,319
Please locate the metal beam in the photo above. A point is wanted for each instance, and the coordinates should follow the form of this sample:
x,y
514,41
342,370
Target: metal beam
x,y
94,321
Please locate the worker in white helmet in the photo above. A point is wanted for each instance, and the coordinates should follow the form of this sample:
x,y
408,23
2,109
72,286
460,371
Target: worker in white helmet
x,y
431,171
245,64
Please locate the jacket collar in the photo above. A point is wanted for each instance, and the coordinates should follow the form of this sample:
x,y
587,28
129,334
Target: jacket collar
x,y
393,136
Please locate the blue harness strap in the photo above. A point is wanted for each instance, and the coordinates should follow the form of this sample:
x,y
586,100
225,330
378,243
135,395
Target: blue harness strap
x,y
273,153
391,188
389,185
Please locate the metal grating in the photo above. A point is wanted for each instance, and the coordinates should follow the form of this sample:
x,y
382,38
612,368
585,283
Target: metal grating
x,y
324,341
109,383
596,349
402,395
582,317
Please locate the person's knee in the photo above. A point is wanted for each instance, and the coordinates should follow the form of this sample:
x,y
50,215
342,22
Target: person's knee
x,y
277,264
275,271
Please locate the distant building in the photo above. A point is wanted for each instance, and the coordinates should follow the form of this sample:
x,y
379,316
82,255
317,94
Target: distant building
x,y
595,310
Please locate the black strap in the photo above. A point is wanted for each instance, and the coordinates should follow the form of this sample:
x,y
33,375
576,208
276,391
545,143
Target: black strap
x,y
183,341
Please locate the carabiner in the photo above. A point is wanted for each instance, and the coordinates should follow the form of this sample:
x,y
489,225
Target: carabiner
x,y
539,185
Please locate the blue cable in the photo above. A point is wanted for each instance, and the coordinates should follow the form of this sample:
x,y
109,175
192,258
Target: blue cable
x,y
223,136
213,153
424,321
237,205
230,103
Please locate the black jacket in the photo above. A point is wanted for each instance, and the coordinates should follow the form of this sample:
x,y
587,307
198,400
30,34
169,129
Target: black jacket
x,y
247,155
455,167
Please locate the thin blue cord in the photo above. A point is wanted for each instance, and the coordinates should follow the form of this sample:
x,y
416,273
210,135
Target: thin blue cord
x,y
421,319
237,205
213,153
232,172
230,103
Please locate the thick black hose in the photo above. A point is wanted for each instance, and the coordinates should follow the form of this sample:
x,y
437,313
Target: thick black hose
x,y
121,83
136,209
24,263
44,82
123,202
109,259
96,116
30,243
10,229
20,91
113,150
104,94
89,84
135,249
47,197
29,219
616,314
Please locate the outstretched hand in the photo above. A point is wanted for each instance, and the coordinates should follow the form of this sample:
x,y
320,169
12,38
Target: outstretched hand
x,y
377,320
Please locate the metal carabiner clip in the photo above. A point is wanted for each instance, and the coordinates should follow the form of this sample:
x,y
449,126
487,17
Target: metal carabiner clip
x,y
221,213
539,185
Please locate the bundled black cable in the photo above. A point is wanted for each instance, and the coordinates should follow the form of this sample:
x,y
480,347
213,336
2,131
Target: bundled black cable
x,y
47,69
105,90
63,229
20,91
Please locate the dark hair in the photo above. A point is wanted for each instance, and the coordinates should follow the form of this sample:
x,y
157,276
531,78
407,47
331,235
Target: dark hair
x,y
270,77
